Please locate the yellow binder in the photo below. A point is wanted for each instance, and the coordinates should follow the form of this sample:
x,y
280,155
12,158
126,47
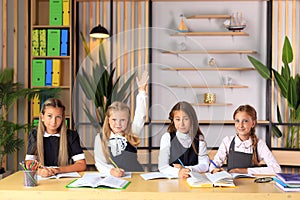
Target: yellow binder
x,y
56,69
36,106
66,12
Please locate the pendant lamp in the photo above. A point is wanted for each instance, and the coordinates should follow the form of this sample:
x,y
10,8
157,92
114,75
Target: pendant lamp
x,y
99,32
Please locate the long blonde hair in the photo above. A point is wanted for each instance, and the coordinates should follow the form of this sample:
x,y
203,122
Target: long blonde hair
x,y
63,150
128,134
252,113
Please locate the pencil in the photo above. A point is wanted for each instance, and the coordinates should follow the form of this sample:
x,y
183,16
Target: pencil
x,y
111,160
214,163
181,163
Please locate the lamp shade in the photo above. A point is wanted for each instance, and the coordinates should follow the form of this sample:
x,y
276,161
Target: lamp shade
x,y
99,32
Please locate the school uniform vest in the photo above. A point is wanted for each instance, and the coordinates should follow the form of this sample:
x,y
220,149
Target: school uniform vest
x,y
238,159
127,160
186,155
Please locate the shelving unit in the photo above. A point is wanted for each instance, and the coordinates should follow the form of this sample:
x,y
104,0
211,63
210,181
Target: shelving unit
x,y
212,51
40,21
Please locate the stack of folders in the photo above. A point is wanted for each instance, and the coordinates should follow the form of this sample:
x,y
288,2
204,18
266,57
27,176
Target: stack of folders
x,y
288,182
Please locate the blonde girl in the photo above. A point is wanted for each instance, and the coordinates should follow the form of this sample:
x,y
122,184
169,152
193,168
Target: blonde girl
x,y
52,144
116,146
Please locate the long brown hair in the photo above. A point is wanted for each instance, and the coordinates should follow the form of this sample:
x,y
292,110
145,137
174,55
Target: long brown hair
x,y
252,113
63,150
128,134
195,132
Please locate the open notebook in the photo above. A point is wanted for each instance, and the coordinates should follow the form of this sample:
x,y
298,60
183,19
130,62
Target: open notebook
x,y
219,179
94,180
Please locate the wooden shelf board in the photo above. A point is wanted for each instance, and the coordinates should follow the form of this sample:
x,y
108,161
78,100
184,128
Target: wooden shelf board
x,y
227,33
209,17
62,87
211,52
208,68
262,122
49,27
212,104
209,86
51,57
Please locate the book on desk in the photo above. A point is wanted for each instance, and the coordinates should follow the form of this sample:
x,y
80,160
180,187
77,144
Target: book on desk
x,y
288,182
218,179
95,180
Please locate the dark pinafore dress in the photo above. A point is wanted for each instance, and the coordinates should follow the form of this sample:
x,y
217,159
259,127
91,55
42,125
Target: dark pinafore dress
x,y
186,155
238,159
127,160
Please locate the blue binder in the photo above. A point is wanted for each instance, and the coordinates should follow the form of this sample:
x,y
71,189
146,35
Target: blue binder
x,y
64,42
48,72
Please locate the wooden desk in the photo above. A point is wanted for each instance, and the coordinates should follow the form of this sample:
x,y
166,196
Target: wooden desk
x,y
163,189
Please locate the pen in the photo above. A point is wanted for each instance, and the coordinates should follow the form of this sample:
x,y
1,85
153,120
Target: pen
x,y
116,166
181,163
214,163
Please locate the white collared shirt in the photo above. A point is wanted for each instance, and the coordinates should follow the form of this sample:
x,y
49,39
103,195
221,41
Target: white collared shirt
x,y
186,141
137,126
49,135
263,152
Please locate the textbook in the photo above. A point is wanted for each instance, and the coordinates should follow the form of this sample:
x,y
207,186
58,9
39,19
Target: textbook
x,y
286,185
219,179
156,175
62,175
289,178
287,188
94,180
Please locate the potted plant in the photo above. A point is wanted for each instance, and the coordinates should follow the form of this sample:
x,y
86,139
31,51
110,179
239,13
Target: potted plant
x,y
10,93
101,86
290,89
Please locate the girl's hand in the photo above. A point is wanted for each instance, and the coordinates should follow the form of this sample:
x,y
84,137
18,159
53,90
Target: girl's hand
x,y
142,82
239,170
45,172
217,170
184,173
177,166
117,172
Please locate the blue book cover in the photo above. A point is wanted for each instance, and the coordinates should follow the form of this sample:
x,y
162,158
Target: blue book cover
x,y
48,72
289,178
64,42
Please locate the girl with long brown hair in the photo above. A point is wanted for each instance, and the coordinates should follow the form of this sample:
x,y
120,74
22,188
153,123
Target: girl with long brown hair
x,y
245,151
182,147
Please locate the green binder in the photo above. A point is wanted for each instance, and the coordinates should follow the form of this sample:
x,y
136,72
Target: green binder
x,y
35,43
53,42
38,72
55,13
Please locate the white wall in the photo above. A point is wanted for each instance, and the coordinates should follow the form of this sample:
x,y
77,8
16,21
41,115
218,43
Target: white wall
x,y
165,21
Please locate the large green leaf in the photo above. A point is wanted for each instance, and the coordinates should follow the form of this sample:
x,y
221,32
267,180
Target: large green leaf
x,y
286,72
292,94
85,46
283,85
263,70
87,85
279,115
287,52
276,131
